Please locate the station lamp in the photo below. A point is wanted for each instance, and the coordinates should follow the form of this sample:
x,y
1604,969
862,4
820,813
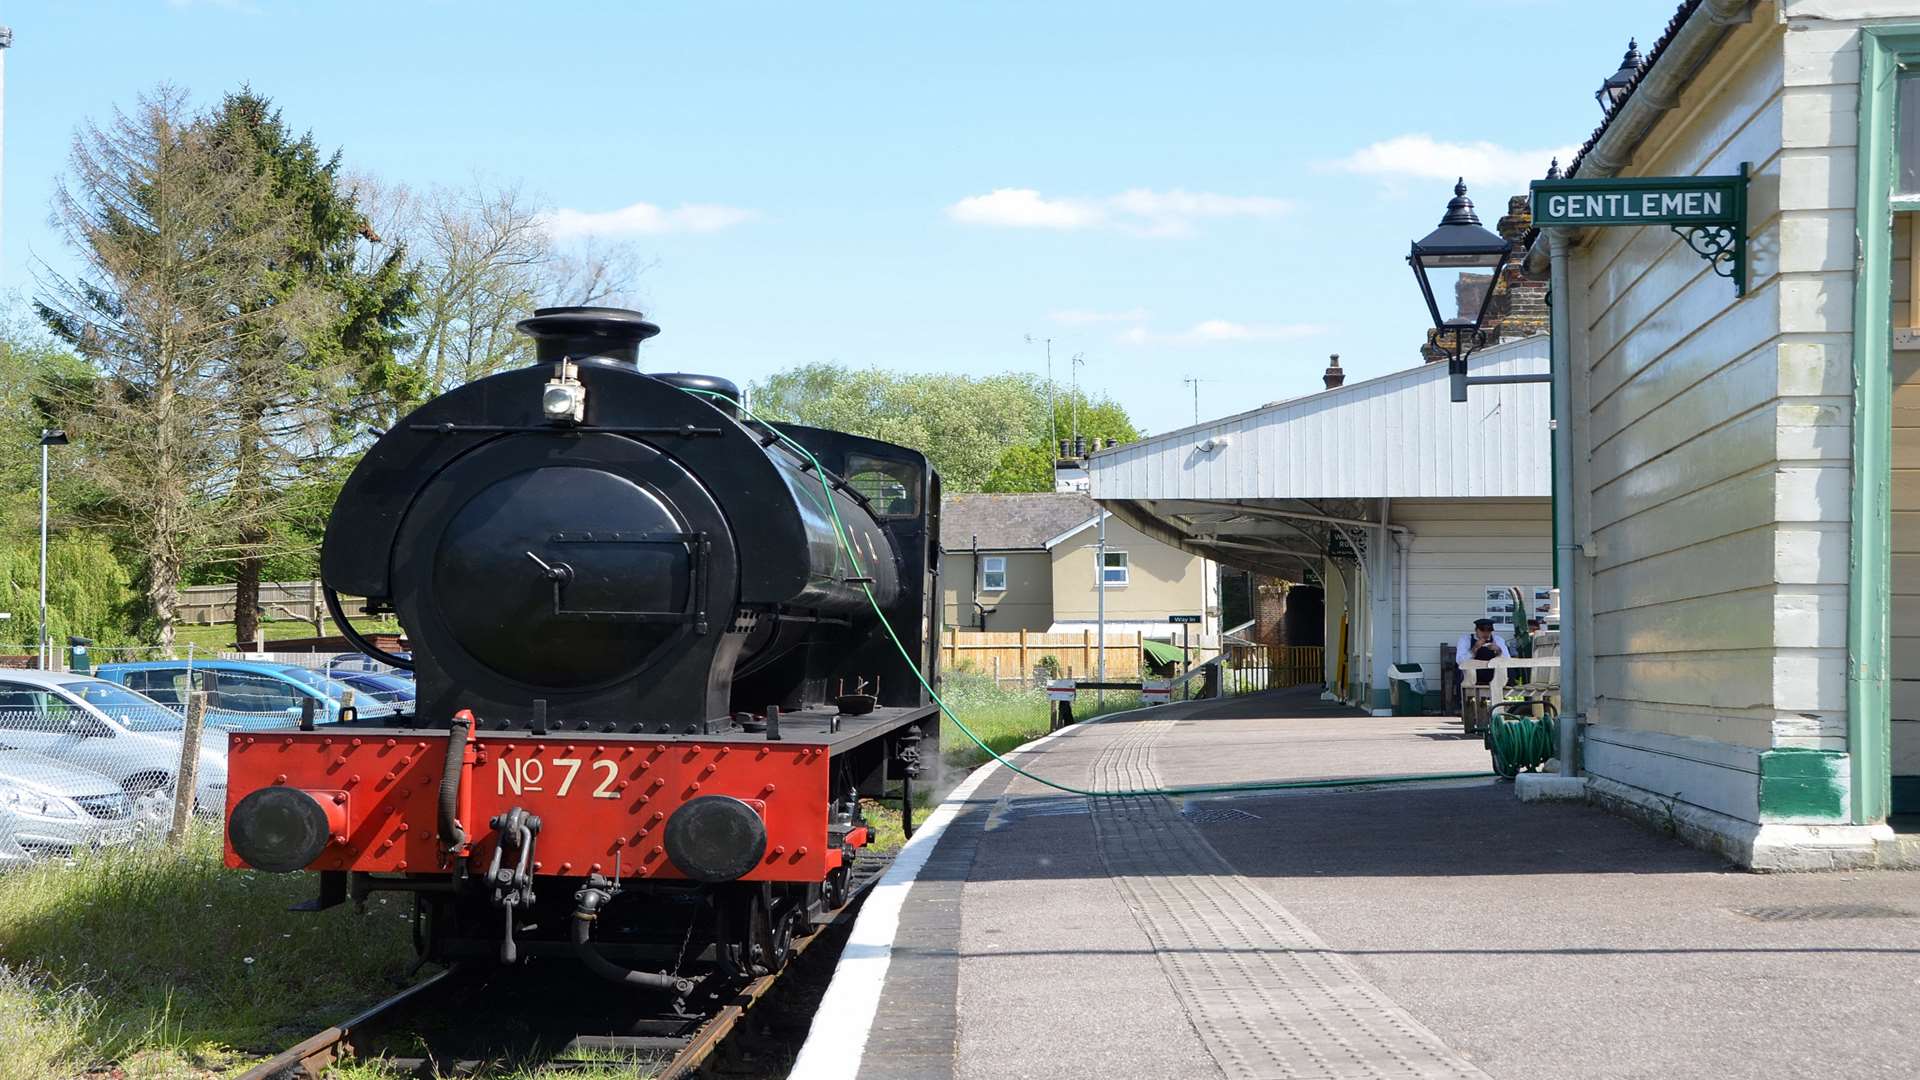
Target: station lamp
x,y
1460,261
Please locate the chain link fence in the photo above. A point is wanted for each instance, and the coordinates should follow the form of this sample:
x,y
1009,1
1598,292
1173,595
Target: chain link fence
x,y
134,750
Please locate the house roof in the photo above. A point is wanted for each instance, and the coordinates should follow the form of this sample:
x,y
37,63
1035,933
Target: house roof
x,y
1011,522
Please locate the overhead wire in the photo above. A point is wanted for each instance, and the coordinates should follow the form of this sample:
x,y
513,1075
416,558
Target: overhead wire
x,y
839,530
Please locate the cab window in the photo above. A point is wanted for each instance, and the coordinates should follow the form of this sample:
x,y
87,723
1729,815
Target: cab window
x,y
891,487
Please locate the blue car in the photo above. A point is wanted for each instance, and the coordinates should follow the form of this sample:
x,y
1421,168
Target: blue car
x,y
244,694
385,687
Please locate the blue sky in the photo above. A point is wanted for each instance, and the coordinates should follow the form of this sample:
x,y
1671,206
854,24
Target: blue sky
x,y
1220,190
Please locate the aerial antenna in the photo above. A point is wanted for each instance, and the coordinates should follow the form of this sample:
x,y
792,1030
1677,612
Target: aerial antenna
x,y
1195,383
1079,360
1053,429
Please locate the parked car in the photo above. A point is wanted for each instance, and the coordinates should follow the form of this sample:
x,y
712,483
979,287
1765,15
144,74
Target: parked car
x,y
384,687
361,662
50,809
105,727
243,694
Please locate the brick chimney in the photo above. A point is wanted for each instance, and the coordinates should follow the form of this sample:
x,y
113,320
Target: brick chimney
x,y
1334,376
1519,306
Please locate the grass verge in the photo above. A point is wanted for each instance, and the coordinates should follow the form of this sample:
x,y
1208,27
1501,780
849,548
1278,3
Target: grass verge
x,y
1006,718
156,963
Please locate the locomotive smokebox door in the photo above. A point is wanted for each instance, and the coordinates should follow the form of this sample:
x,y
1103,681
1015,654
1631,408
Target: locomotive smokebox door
x,y
563,576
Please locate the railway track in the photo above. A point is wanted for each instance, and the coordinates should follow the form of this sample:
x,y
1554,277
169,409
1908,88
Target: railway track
x,y
675,1047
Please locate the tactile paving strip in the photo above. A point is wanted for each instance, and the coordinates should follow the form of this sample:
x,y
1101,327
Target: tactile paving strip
x,y
1267,996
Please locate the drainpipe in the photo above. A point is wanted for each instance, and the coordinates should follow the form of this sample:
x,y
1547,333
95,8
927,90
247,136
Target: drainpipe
x,y
1404,540
1380,632
973,588
1565,546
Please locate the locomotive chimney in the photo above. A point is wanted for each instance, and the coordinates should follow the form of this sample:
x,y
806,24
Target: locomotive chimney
x,y
587,333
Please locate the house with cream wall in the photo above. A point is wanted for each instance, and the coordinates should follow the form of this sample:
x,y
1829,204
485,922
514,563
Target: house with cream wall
x,y
1028,561
1746,468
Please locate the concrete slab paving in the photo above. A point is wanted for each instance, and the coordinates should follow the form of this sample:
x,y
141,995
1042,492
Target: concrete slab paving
x,y
1428,930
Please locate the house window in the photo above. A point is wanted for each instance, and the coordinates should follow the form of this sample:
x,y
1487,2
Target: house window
x,y
993,573
1114,572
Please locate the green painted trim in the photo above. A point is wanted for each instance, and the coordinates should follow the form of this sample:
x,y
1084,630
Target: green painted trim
x,y
1869,701
1804,785
1383,699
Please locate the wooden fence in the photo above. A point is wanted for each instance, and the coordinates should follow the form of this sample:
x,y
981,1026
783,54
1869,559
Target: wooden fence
x,y
1274,667
1013,656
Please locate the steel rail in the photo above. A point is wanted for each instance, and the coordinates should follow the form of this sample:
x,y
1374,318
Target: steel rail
x,y
312,1057
309,1059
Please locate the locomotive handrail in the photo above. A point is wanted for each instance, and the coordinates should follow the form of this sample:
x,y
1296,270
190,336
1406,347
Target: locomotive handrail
x,y
687,431
354,637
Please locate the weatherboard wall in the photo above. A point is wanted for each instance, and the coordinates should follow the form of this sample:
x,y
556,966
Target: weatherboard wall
x,y
1461,547
1712,457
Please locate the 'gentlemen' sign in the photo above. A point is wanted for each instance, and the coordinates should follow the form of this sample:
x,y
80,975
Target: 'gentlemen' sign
x,y
1681,200
1709,212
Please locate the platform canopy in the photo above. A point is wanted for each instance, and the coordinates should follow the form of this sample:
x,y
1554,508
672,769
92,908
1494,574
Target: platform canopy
x,y
1282,485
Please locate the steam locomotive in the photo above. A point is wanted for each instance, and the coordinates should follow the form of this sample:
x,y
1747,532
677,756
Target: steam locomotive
x,y
653,688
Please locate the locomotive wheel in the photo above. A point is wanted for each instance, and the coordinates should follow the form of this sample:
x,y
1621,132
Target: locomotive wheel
x,y
835,888
782,940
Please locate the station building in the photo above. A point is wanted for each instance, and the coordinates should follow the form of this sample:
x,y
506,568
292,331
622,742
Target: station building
x,y
1416,515
1746,614
1744,592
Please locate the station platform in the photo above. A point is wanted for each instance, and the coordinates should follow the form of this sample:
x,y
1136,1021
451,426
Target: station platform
x,y
1431,930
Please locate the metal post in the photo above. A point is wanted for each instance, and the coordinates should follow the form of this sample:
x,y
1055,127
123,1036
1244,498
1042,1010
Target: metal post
x,y
1559,281
43,553
1100,602
187,778
1186,658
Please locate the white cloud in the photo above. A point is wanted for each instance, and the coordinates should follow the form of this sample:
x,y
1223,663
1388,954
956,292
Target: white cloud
x,y
1024,208
1214,331
645,219
1079,317
1484,165
1141,211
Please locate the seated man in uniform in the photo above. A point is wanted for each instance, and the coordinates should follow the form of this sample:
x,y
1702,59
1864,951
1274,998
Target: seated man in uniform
x,y
1480,644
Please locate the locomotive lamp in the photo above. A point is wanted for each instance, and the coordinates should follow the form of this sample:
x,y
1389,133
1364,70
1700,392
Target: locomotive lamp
x,y
565,399
1457,257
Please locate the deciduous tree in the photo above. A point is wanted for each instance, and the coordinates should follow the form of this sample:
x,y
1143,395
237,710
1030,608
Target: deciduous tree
x,y
982,432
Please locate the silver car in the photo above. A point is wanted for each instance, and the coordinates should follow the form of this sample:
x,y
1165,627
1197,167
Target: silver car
x,y
105,727
49,809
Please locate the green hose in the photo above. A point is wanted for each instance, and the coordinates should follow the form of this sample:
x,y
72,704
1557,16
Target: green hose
x,y
1522,742
839,531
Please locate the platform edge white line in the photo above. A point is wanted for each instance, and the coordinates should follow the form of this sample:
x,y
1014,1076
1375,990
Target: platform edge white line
x,y
837,1040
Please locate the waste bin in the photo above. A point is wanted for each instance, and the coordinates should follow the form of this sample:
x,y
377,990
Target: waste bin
x,y
1408,685
78,661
